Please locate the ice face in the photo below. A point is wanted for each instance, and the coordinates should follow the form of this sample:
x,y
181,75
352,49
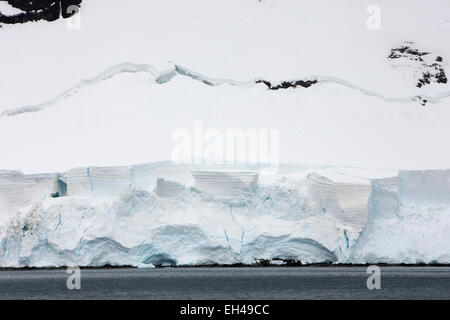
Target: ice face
x,y
143,216
408,220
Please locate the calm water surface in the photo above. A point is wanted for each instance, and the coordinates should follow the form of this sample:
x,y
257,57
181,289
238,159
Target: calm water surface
x,y
229,283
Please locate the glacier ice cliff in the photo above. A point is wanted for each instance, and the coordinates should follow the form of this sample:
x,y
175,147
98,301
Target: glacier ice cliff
x,y
161,214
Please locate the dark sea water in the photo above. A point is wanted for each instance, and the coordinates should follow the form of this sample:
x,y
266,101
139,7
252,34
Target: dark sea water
x,y
229,283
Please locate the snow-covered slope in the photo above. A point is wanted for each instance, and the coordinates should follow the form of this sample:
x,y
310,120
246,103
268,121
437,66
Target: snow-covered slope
x,y
131,118
138,72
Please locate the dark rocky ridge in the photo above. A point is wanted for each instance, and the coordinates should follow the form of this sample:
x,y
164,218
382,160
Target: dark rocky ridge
x,y
35,10
430,68
288,84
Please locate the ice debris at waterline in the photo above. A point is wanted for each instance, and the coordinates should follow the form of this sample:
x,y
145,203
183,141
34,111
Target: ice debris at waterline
x,y
161,214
